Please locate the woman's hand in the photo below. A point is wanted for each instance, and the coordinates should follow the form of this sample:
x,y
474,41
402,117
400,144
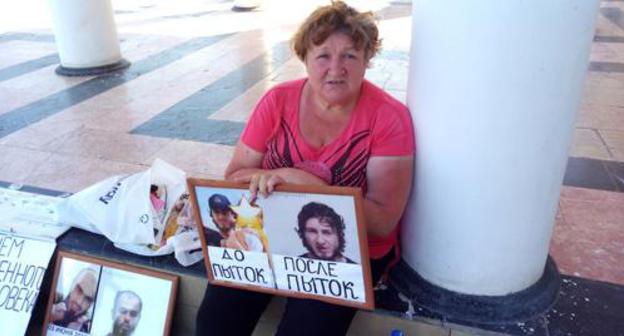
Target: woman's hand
x,y
245,167
264,181
260,180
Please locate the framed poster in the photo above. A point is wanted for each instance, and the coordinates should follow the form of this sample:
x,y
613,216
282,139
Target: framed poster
x,y
301,241
92,296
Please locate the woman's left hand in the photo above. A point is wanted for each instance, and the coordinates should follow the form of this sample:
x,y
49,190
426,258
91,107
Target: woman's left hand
x,y
264,181
260,180
245,168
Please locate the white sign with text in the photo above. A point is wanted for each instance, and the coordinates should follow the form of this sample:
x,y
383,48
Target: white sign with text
x,y
251,268
23,262
332,279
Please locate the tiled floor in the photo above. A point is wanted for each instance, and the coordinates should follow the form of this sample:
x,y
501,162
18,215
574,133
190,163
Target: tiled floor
x,y
589,238
197,70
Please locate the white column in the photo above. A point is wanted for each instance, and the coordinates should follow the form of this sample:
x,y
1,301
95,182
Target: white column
x,y
85,33
494,88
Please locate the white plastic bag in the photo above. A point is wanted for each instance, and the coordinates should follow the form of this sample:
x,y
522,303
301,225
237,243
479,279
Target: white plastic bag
x,y
148,250
180,236
175,222
120,207
186,242
187,247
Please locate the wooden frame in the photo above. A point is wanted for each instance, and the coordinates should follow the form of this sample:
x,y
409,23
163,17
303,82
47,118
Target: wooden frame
x,y
153,291
272,262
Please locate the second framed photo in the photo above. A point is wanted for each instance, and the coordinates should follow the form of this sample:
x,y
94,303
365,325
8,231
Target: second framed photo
x,y
301,241
92,296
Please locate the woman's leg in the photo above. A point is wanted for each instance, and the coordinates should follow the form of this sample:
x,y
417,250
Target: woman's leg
x,y
311,317
229,312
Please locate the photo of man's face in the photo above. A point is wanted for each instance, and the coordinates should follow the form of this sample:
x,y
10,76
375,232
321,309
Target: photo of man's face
x,y
126,313
106,300
321,230
222,215
224,220
82,294
322,239
72,311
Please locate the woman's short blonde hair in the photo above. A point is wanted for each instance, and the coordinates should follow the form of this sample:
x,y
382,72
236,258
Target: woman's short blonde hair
x,y
338,18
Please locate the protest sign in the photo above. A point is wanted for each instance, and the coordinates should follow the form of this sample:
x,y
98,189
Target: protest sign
x,y
301,241
91,296
23,262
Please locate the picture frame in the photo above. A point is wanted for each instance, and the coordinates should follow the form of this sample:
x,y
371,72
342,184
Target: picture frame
x,y
93,296
301,241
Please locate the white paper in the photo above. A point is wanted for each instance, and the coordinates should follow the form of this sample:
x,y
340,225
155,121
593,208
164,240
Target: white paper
x,y
240,266
30,214
319,277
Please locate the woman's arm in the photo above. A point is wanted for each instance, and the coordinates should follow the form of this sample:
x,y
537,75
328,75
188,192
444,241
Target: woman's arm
x,y
245,167
245,161
389,180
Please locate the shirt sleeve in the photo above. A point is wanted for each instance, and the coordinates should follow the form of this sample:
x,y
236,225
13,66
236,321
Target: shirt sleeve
x,y
261,123
393,134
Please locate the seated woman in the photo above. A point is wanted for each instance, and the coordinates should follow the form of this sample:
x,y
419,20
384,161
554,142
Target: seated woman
x,y
331,128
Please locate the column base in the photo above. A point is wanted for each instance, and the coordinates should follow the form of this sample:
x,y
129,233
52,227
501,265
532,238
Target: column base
x,y
516,307
243,9
245,5
93,71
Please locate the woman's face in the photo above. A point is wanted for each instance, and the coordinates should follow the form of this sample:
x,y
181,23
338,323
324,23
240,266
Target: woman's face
x,y
336,69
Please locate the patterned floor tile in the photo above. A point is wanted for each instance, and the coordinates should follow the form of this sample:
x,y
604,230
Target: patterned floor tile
x,y
588,240
614,139
588,143
15,52
196,158
72,174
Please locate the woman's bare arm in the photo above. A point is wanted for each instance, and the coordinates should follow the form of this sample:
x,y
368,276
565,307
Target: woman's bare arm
x,y
389,182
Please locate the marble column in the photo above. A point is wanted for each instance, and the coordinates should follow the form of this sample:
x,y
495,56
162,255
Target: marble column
x,y
86,37
494,88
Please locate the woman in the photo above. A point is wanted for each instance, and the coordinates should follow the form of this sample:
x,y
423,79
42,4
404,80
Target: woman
x,y
332,128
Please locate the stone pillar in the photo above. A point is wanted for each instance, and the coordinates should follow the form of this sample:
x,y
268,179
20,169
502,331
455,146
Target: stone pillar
x,y
86,37
494,89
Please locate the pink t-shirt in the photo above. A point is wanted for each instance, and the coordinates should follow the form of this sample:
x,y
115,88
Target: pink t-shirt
x,y
380,126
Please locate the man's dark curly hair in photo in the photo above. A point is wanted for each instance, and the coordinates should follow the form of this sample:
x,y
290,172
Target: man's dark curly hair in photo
x,y
324,214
